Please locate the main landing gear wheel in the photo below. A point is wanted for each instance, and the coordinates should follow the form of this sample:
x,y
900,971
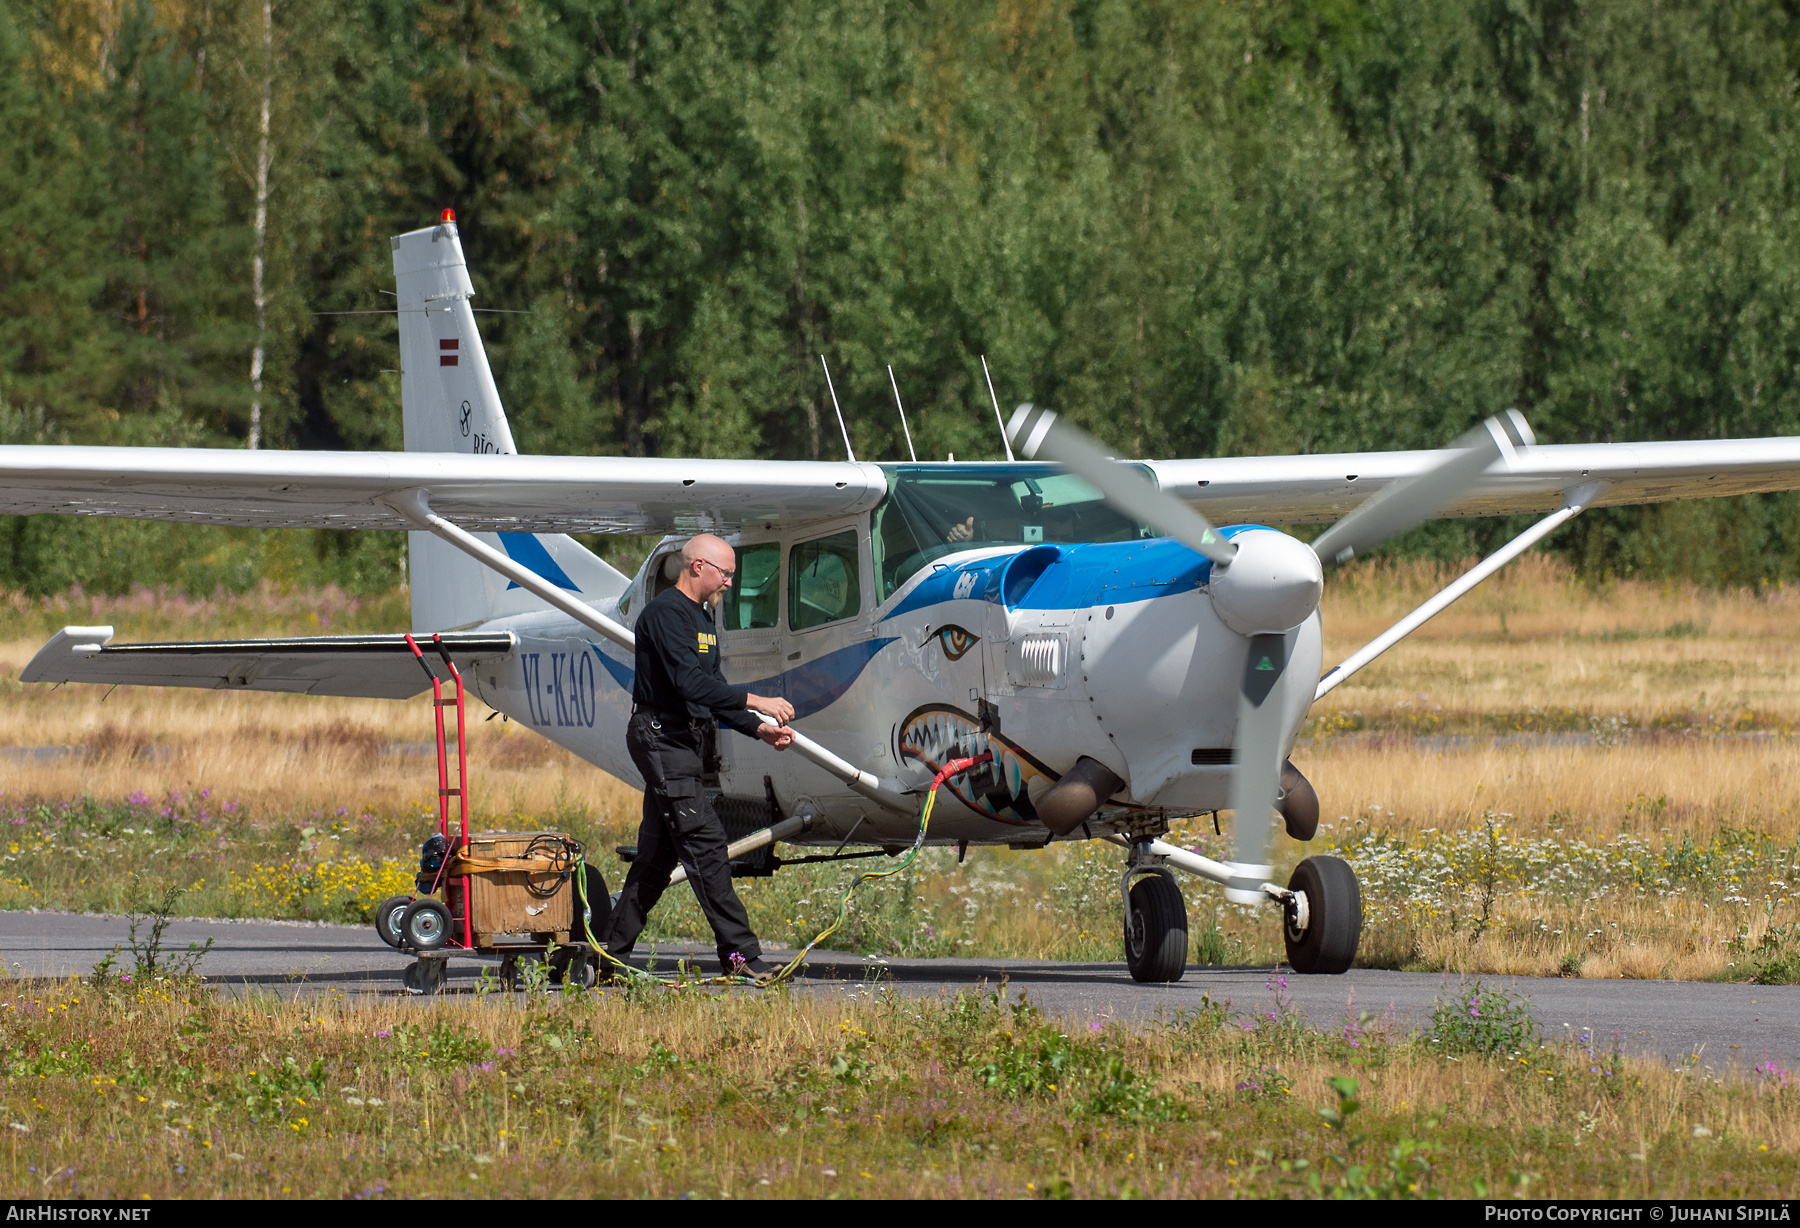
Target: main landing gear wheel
x,y
1156,933
425,925
387,919
1325,939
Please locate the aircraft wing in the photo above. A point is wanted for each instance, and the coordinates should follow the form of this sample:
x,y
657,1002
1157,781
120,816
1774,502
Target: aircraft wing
x,y
366,666
550,494
491,493
1316,489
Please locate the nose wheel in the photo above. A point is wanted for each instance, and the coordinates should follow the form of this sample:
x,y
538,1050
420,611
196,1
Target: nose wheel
x,y
1156,933
1322,918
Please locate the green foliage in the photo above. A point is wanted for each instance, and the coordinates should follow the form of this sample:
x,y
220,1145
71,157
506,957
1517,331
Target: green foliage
x,y
1195,229
442,1046
1401,1172
1489,1022
1033,1060
1776,956
150,963
270,1095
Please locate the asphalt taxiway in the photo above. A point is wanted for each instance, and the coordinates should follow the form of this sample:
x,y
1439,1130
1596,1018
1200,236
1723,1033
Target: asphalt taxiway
x,y
1724,1024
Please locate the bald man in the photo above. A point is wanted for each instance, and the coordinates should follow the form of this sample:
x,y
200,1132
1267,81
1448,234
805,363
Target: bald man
x,y
679,694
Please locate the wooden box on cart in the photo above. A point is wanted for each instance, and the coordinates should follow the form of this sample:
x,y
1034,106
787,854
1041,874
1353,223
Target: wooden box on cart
x,y
518,901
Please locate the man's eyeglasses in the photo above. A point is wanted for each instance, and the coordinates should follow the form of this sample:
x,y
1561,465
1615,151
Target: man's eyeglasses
x,y
726,575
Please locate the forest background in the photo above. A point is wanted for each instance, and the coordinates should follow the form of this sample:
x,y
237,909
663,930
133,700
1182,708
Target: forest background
x,y
1199,228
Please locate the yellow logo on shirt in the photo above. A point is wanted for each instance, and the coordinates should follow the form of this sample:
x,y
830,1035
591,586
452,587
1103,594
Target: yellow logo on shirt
x,y
707,642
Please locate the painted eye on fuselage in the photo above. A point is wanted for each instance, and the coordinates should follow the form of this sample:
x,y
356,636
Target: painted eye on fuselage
x,y
956,641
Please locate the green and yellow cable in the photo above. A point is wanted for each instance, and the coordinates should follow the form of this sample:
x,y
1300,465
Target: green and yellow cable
x,y
953,768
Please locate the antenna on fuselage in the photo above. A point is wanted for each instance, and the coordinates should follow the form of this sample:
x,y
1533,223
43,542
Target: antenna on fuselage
x,y
902,409
848,450
996,400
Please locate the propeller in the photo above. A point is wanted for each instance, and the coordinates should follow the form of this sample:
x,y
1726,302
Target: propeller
x,y
1411,500
1040,434
1265,584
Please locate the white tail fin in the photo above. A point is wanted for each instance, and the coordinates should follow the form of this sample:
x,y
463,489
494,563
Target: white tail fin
x,y
449,403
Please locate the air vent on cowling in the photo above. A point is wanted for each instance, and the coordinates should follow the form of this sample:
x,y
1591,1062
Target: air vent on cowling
x,y
1036,660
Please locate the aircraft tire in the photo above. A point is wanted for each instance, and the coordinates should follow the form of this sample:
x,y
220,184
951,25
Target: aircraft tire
x,y
1334,922
1156,933
387,919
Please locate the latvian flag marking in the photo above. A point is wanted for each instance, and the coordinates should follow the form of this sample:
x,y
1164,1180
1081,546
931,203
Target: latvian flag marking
x,y
447,360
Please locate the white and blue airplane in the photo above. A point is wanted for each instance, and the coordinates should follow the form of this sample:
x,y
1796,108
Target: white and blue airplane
x,y
1079,619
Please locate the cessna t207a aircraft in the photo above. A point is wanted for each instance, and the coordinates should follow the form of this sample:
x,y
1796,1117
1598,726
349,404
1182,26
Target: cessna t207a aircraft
x,y
1078,619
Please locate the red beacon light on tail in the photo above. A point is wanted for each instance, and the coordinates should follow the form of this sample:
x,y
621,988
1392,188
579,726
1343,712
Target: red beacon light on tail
x,y
449,215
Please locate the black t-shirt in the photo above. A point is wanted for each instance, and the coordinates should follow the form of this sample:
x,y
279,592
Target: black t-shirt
x,y
679,666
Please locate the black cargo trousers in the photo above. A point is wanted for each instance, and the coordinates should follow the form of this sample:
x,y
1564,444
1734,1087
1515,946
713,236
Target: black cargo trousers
x,y
679,826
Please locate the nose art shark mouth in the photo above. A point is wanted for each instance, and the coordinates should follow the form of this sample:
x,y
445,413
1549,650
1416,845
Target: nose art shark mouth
x,y
938,733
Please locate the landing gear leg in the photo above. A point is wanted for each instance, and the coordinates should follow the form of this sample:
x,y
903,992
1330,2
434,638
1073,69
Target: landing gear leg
x,y
1156,933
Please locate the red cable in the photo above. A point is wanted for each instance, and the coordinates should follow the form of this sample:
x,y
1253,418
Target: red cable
x,y
958,766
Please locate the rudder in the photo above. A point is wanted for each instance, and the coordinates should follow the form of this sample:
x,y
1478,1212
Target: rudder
x,y
449,403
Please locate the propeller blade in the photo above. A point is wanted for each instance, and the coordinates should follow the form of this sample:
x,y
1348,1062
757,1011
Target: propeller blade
x,y
1256,778
1037,434
1419,498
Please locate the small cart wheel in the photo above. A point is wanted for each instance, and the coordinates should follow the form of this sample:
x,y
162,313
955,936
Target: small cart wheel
x,y
387,919
1156,934
424,976
1333,916
509,972
425,925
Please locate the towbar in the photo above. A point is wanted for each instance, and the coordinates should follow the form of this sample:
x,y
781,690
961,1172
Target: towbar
x,y
415,506
787,829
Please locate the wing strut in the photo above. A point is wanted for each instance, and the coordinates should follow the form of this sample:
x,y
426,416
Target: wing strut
x,y
415,506
1575,502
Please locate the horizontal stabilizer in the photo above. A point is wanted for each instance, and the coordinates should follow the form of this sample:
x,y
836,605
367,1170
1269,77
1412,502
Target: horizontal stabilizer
x,y
364,666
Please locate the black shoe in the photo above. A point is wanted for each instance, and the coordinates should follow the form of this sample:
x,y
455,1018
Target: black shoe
x,y
756,971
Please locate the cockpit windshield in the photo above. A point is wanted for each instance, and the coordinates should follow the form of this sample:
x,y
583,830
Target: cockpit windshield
x,y
934,510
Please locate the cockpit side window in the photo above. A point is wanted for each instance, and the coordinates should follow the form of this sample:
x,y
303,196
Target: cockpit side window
x,y
897,553
752,600
823,584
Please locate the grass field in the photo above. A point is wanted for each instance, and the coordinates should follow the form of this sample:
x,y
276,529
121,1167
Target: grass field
x,y
174,1092
1550,778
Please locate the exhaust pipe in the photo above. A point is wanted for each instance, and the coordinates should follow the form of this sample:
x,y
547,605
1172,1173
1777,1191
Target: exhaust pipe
x,y
1298,802
1083,789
